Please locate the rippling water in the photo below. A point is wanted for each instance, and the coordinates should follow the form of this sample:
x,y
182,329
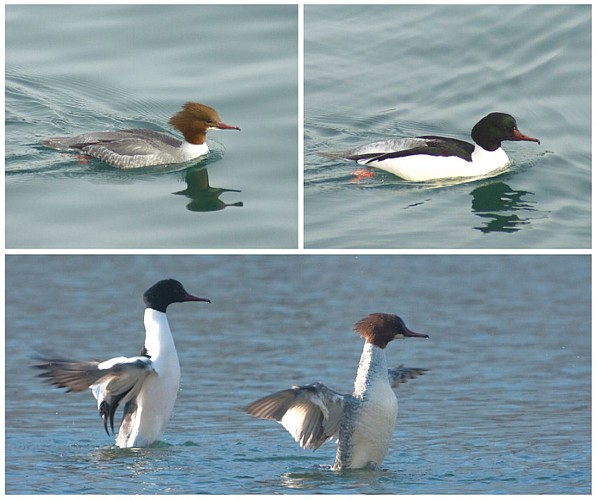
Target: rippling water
x,y
77,68
378,72
505,407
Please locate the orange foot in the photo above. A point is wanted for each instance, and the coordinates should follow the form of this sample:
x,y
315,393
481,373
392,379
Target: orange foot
x,y
362,173
83,159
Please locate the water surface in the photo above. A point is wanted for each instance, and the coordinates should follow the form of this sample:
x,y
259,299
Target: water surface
x,y
74,68
505,407
376,72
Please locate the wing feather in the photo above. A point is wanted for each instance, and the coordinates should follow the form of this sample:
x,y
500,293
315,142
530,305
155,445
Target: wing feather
x,y
310,413
401,375
111,382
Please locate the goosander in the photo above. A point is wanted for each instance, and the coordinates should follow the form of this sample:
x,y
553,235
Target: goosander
x,y
136,148
362,422
430,157
147,385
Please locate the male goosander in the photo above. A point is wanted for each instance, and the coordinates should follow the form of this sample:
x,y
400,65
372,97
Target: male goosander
x,y
136,148
430,157
362,422
147,385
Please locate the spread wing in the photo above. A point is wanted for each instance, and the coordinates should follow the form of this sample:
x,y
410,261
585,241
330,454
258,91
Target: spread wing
x,y
401,375
111,382
311,413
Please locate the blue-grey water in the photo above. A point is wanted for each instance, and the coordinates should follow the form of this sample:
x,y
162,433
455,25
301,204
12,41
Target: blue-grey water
x,y
375,72
505,407
77,68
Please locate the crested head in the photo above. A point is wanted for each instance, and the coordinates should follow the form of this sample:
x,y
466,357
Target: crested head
x,y
494,128
194,120
167,292
379,329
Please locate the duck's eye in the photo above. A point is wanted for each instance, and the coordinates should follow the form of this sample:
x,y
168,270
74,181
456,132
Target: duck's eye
x,y
209,120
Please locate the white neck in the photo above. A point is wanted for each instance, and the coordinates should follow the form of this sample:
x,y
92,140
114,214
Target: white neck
x,y
191,151
158,338
489,160
372,367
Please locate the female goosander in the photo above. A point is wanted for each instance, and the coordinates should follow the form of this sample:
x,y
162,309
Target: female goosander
x,y
136,148
430,157
147,385
362,422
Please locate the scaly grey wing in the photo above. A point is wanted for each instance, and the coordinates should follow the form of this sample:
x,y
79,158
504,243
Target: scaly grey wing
x,y
311,413
400,374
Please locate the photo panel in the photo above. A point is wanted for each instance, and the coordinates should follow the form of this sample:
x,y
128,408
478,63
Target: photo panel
x,y
499,400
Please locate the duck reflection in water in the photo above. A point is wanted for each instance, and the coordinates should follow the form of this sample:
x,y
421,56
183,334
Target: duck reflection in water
x,y
204,198
489,200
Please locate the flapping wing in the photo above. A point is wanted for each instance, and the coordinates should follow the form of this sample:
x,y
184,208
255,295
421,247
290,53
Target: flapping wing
x,y
400,374
72,375
311,413
112,382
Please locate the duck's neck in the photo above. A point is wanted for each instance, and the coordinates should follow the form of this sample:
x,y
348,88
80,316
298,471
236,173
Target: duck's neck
x,y
373,367
158,337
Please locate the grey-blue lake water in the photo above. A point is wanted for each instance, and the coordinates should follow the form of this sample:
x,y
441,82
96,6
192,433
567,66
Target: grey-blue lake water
x,y
505,407
78,68
377,72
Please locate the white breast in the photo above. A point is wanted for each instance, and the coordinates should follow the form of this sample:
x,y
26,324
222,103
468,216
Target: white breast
x,y
155,403
190,151
156,399
375,419
373,429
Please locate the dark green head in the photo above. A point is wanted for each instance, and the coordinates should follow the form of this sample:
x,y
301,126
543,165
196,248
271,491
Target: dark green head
x,y
167,292
490,131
